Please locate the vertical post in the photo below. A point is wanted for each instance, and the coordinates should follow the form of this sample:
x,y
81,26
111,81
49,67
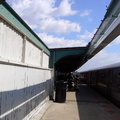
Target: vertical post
x,y
42,58
24,49
1,36
54,59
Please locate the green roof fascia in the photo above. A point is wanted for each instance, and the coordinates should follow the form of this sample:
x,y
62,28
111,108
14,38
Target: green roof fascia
x,y
7,12
52,59
60,53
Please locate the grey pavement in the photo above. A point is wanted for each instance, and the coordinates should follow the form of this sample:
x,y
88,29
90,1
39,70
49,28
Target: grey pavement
x,y
86,104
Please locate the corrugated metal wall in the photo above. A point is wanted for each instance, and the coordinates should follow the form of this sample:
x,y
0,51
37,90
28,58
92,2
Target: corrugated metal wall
x,y
25,79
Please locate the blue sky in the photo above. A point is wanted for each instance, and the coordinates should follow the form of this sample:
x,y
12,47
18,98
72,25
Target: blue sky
x,y
68,23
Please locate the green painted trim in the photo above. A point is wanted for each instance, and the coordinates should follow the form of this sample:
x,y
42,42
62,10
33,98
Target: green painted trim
x,y
7,12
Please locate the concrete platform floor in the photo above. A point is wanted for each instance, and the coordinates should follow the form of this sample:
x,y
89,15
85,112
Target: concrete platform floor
x,y
86,104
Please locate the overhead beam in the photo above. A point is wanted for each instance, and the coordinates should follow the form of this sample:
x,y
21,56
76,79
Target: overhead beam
x,y
2,1
107,31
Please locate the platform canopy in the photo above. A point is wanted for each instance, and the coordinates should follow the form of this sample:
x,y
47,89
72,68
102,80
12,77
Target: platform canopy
x,y
67,59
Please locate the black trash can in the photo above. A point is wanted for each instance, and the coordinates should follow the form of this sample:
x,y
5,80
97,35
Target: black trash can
x,y
60,94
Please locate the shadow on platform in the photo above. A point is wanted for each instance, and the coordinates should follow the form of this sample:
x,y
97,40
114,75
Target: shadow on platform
x,y
93,106
85,104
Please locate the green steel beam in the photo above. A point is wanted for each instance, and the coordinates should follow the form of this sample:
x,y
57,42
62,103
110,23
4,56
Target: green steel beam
x,y
58,53
8,13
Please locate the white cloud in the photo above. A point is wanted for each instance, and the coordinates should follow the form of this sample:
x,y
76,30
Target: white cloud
x,y
34,10
43,15
64,9
85,13
87,35
101,59
117,40
90,19
59,26
56,42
